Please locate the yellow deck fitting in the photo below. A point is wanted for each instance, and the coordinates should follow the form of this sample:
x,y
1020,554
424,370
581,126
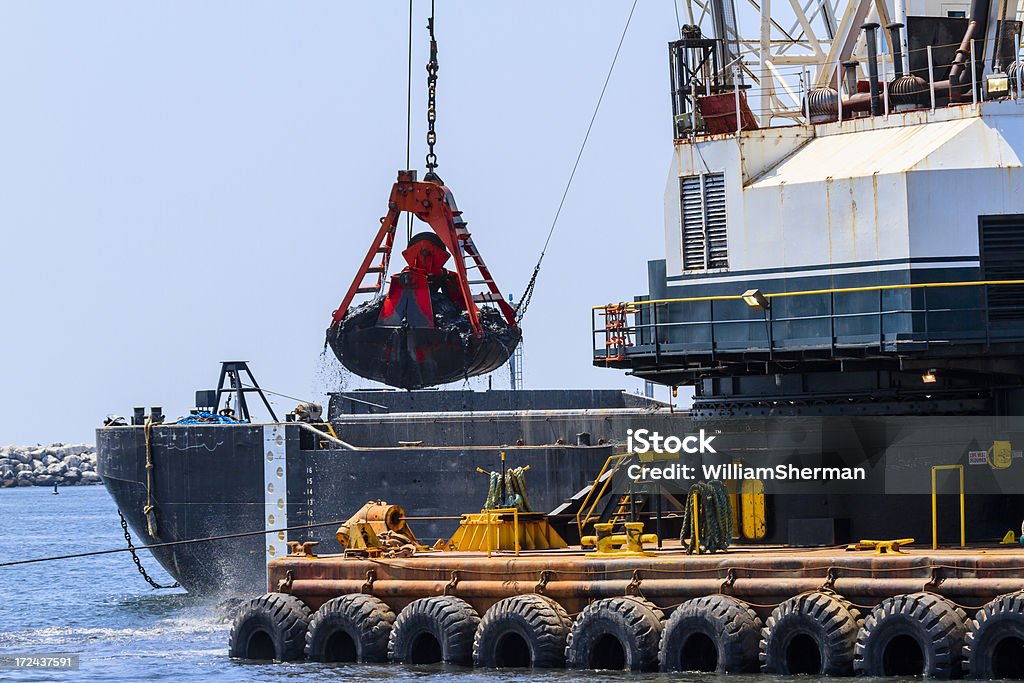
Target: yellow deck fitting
x,y
629,544
890,547
304,549
505,529
1010,538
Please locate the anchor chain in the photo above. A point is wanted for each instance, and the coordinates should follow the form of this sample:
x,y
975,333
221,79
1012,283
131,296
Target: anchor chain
x,y
135,556
432,67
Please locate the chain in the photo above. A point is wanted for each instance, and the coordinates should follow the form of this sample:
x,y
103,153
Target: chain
x,y
432,67
135,556
524,300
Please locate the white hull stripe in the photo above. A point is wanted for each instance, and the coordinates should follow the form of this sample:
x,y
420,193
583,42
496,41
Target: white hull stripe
x,y
275,491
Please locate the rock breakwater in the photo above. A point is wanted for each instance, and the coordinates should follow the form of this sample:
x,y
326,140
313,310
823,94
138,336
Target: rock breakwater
x,y
60,464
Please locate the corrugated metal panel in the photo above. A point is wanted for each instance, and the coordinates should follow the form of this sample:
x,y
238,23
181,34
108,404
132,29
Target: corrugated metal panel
x,y
703,212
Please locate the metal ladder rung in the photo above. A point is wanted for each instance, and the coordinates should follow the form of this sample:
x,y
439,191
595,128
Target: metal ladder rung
x,y
485,298
366,290
480,282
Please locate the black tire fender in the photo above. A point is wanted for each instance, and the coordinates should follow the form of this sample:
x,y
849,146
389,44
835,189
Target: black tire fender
x,y
541,625
813,633
620,633
912,635
350,628
272,626
992,646
435,629
715,633
994,638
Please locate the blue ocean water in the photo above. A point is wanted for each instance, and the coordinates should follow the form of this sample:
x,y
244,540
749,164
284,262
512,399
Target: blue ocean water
x,y
122,630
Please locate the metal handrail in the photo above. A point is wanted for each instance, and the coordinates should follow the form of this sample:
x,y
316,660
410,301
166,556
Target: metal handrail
x,y
810,292
624,335
491,526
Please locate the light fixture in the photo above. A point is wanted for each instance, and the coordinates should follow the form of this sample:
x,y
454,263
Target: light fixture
x,y
997,86
929,377
756,299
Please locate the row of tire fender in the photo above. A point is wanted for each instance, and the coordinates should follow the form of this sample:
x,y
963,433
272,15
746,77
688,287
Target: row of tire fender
x,y
813,633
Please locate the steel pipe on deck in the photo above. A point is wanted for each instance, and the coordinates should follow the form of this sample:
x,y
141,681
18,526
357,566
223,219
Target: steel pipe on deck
x,y
661,590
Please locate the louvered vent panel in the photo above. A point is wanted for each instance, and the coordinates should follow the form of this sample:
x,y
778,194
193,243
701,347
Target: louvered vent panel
x,y
693,223
702,204
714,210
1002,258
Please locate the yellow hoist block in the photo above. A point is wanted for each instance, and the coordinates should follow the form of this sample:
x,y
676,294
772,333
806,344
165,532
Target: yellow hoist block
x,y
629,544
505,529
377,525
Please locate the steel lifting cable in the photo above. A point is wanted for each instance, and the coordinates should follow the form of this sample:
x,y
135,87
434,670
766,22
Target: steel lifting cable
x,y
524,300
408,120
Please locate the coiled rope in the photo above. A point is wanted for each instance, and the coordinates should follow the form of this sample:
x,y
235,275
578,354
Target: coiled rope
x,y
714,513
204,417
510,495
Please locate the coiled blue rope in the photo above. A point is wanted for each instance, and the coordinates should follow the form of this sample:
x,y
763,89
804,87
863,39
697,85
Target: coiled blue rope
x,y
204,417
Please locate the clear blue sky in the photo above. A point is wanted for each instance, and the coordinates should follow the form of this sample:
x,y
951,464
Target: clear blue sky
x,y
185,182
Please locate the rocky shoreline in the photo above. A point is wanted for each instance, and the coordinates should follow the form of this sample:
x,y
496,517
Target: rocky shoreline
x,y
60,464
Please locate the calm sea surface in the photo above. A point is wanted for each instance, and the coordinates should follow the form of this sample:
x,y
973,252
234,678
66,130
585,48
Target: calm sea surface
x,y
122,630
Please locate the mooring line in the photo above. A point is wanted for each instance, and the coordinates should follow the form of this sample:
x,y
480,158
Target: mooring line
x,y
168,544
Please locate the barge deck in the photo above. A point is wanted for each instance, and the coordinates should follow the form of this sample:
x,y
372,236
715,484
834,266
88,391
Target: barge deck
x,y
761,576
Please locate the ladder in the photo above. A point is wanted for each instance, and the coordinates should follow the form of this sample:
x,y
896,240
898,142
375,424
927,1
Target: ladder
x,y
477,272
380,270
625,506
515,368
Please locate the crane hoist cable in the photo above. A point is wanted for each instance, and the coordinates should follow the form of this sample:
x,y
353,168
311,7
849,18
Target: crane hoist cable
x,y
524,300
408,120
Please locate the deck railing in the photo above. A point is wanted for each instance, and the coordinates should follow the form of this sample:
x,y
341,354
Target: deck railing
x,y
913,316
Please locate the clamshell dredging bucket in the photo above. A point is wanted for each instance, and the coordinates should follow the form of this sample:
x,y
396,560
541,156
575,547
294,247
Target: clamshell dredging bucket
x,y
415,357
419,334
429,325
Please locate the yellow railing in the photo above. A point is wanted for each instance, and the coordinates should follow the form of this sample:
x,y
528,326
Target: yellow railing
x,y
493,529
594,495
935,507
632,305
